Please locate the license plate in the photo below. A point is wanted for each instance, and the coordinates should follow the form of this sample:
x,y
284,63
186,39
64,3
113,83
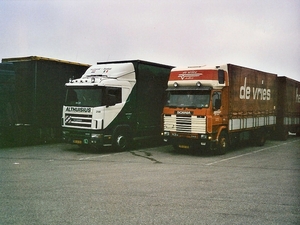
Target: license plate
x,y
79,142
184,146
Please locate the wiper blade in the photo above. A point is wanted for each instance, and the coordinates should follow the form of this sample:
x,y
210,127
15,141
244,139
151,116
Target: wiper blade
x,y
172,106
190,106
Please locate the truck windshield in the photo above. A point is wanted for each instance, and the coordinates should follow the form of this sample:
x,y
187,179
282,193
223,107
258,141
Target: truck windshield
x,y
91,97
188,99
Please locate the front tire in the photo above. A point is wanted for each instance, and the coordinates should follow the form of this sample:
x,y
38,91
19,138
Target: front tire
x,y
222,146
121,140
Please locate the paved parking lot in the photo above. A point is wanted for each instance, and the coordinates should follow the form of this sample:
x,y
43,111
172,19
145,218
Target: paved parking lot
x,y
63,184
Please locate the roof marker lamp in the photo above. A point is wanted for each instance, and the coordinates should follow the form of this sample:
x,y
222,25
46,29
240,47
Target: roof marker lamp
x,y
175,84
198,84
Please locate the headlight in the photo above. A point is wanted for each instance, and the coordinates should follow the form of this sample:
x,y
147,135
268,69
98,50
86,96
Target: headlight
x,y
96,135
166,133
203,136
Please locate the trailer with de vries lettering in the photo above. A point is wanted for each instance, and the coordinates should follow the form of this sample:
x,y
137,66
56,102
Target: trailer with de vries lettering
x,y
288,107
216,106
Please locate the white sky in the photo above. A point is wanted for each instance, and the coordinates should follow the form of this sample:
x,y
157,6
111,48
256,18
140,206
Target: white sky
x,y
260,34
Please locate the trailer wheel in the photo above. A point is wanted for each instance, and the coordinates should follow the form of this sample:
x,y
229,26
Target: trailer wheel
x,y
260,137
284,134
121,140
223,143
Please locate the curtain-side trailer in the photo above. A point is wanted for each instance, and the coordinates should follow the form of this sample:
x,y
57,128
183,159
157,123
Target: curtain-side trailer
x,y
38,95
288,107
114,103
215,106
8,108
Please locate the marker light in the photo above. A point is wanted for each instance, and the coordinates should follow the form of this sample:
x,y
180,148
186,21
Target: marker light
x,y
175,84
93,80
198,84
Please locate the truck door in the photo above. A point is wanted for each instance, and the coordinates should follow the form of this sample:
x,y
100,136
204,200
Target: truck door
x,y
217,110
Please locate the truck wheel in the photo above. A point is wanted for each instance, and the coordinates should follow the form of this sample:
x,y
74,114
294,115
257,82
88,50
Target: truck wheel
x,y
121,140
284,135
260,137
223,143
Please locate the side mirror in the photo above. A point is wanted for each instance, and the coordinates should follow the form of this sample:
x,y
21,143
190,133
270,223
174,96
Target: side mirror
x,y
111,100
221,76
217,104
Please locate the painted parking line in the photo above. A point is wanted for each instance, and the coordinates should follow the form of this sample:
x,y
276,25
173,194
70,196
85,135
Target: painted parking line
x,y
249,153
100,156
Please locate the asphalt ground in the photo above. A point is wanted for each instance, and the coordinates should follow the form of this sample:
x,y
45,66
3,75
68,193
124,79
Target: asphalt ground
x,y
64,184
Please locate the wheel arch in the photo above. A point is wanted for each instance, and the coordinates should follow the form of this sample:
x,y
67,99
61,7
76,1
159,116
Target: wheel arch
x,y
220,130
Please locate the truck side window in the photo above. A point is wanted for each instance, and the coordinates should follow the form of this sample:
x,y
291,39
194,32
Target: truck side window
x,y
117,92
216,98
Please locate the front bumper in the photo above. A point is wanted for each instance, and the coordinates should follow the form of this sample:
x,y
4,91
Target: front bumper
x,y
189,141
86,137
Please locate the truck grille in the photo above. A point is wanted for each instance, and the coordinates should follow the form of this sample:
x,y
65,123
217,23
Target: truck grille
x,y
185,124
78,120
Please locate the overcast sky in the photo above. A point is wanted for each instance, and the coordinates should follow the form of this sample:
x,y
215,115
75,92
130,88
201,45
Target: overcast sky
x,y
260,34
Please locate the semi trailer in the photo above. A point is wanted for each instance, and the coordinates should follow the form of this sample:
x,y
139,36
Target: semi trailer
x,y
31,98
115,103
214,107
288,107
8,111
